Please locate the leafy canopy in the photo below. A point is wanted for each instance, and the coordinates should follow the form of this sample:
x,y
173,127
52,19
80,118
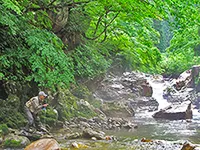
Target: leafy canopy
x,y
96,31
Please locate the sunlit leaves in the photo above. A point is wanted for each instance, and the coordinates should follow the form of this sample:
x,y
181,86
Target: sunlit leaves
x,y
49,64
13,5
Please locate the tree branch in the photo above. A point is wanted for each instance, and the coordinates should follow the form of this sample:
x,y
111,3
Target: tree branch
x,y
51,3
105,24
97,25
105,28
99,20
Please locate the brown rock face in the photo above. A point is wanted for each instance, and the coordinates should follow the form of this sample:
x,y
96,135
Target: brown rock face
x,y
188,146
146,89
44,144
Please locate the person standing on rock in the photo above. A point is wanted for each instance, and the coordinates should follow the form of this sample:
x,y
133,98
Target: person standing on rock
x,y
32,107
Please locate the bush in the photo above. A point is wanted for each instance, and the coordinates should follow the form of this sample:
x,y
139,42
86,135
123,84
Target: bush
x,y
176,63
4,129
12,143
49,116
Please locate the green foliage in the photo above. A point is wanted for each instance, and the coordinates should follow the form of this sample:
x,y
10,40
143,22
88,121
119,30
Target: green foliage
x,y
174,64
4,129
37,54
49,116
49,64
181,54
138,45
31,51
11,143
166,34
89,61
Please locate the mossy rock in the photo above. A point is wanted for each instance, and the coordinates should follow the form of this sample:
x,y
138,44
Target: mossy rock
x,y
12,143
10,114
68,106
15,141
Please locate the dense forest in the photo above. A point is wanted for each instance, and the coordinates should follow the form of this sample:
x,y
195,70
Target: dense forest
x,y
54,42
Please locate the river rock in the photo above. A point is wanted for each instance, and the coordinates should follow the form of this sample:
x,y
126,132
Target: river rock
x,y
99,123
146,89
148,144
23,141
188,146
44,144
35,135
84,124
145,103
73,135
89,133
184,80
184,87
120,108
175,112
79,145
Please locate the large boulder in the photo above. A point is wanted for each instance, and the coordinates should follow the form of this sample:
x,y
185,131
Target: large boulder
x,y
184,80
89,133
44,144
122,93
145,104
175,112
129,85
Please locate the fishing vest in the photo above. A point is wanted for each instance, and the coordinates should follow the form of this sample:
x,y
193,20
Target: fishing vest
x,y
33,104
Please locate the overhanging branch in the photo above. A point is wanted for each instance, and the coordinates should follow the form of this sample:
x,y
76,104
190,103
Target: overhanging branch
x,y
105,28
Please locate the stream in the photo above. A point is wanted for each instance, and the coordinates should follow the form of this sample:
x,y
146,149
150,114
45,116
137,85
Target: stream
x,y
162,129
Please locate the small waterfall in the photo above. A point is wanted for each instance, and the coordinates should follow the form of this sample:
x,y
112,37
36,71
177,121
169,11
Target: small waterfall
x,y
158,86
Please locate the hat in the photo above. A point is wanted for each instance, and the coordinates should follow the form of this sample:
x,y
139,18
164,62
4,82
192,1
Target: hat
x,y
42,93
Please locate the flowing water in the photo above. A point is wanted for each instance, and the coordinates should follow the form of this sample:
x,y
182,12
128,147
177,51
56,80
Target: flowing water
x,y
162,129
